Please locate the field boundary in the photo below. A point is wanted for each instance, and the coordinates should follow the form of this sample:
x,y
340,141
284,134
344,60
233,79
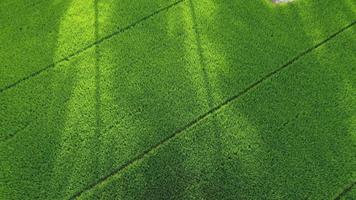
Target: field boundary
x,y
345,191
200,118
97,42
24,127
17,131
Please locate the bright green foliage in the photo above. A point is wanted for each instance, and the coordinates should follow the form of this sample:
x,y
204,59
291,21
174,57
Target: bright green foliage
x,y
89,86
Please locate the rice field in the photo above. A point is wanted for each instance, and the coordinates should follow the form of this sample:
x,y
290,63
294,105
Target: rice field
x,y
177,99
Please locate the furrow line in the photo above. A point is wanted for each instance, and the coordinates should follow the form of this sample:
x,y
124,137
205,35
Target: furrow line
x,y
9,137
345,191
97,42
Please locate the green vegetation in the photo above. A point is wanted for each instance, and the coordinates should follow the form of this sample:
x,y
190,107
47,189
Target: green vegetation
x,y
174,99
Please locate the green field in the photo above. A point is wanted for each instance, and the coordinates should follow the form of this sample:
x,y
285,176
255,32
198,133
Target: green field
x,y
177,99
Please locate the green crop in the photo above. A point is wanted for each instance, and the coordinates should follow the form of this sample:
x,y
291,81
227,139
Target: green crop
x,y
177,99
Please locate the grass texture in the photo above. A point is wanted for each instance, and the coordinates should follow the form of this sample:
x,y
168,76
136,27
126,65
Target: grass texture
x,y
177,99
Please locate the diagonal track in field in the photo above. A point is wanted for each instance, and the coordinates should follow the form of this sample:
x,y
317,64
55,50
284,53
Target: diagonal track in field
x,y
97,42
200,118
346,190
28,124
12,135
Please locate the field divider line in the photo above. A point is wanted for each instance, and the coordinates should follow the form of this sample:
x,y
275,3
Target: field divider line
x,y
346,190
12,135
97,42
200,118
28,124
